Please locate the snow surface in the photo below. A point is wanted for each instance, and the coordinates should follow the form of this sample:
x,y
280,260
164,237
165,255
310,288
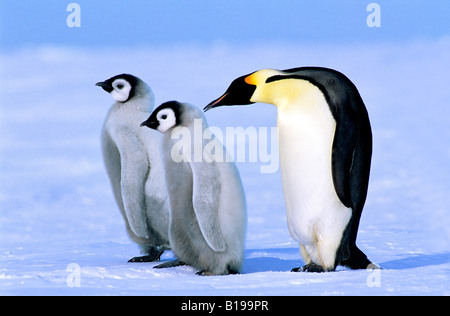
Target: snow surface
x,y
58,212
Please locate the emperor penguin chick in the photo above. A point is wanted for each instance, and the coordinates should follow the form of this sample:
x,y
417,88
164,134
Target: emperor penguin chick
x,y
134,166
207,202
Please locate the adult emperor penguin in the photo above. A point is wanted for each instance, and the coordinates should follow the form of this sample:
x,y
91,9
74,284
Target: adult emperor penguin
x,y
207,202
325,144
134,166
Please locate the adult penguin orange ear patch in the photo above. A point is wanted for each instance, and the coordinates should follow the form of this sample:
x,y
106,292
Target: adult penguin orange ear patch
x,y
251,79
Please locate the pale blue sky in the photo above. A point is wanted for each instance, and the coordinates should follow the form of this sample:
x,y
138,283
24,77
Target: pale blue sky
x,y
165,22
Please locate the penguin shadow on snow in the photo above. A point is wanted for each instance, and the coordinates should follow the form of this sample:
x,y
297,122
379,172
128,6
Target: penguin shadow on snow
x,y
417,261
269,261
262,260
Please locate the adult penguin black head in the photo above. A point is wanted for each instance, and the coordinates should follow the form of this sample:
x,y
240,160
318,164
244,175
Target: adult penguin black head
x,y
238,93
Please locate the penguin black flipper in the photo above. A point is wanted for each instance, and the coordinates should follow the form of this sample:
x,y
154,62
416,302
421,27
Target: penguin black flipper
x,y
349,254
344,145
351,157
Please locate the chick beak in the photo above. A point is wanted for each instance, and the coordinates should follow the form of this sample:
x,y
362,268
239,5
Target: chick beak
x,y
150,124
105,86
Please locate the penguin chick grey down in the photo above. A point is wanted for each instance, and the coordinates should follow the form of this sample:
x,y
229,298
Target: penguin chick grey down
x,y
207,202
134,166
325,144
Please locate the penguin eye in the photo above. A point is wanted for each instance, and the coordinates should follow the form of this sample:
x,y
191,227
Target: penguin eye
x,y
164,116
120,86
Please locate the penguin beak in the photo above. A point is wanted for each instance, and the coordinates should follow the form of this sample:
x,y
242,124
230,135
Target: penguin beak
x,y
105,86
238,93
150,123
215,103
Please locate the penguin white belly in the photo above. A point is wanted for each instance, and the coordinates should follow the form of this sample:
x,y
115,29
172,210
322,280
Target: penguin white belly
x,y
316,217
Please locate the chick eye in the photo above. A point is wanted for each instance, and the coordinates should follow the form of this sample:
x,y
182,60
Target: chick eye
x,y
164,116
120,86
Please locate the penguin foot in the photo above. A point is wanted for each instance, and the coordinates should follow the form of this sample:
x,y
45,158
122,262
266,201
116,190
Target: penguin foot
x,y
311,267
231,271
204,273
209,273
154,255
170,264
357,260
146,258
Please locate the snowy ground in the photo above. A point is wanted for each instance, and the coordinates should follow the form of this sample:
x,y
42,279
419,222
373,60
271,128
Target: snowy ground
x,y
58,219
